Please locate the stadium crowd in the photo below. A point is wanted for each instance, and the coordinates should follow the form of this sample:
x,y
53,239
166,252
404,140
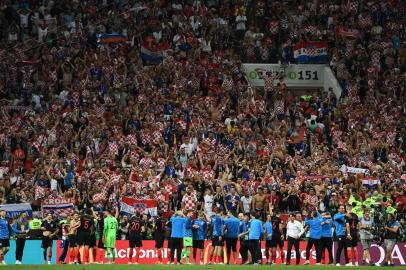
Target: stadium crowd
x,y
92,122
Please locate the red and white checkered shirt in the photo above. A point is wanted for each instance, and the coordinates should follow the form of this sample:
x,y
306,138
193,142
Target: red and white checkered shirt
x,y
274,27
269,80
189,201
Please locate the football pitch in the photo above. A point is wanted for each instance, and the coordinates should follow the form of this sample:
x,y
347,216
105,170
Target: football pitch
x,y
167,267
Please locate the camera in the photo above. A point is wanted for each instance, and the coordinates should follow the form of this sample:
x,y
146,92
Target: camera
x,y
379,218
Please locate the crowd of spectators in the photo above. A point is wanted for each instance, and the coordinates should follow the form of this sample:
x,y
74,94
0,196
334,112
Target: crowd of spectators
x,y
93,122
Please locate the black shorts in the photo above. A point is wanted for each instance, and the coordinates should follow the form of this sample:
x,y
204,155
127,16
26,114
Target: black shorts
x,y
100,244
198,244
268,243
84,238
92,242
353,242
275,242
135,241
177,243
46,242
4,243
169,242
73,240
216,242
231,244
159,240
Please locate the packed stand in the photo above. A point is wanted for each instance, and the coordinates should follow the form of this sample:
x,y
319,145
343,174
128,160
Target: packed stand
x,y
92,122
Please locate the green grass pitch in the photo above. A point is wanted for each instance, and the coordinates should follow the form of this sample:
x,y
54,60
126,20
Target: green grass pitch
x,y
167,267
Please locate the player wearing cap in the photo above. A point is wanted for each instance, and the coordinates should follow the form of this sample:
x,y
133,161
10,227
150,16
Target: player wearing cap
x,y
109,236
135,228
85,234
5,232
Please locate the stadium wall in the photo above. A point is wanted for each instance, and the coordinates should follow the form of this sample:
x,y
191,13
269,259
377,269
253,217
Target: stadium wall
x,y
148,254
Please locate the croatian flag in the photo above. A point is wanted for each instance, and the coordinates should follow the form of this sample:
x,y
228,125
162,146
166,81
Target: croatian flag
x,y
111,38
153,54
311,52
371,183
129,206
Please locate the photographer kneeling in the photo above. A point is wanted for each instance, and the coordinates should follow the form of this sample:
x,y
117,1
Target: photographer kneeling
x,y
390,237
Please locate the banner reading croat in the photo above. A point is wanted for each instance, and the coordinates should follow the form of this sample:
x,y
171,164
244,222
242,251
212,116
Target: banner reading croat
x,y
58,206
129,206
311,52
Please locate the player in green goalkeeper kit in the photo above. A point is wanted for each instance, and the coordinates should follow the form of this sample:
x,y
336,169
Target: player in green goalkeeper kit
x,y
109,235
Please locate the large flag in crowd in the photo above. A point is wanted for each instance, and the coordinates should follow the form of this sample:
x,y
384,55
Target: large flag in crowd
x,y
57,206
153,54
129,206
311,52
110,38
14,210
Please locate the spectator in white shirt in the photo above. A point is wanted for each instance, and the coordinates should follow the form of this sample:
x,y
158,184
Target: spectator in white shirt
x,y
294,230
246,202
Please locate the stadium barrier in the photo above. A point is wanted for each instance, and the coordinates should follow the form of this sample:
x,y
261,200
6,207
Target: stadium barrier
x,y
148,254
32,252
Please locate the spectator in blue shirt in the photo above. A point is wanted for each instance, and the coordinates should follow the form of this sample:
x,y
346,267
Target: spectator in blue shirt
x,y
314,225
231,227
339,223
199,235
255,233
232,202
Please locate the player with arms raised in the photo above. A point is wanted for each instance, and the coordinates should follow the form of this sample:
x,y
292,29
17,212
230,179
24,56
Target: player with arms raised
x,y
109,236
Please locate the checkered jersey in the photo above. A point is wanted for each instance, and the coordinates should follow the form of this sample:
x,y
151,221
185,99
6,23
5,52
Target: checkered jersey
x,y
273,27
269,80
146,163
227,84
279,107
189,201
113,148
157,135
